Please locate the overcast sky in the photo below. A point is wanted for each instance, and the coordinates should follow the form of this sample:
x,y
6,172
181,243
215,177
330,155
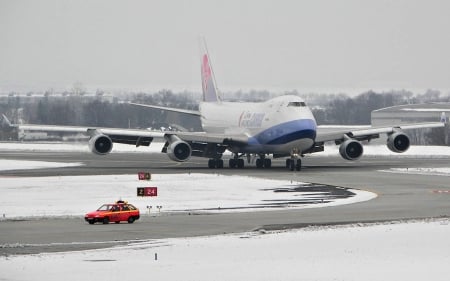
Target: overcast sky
x,y
255,44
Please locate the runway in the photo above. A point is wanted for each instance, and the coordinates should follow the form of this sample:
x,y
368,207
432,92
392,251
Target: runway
x,y
400,197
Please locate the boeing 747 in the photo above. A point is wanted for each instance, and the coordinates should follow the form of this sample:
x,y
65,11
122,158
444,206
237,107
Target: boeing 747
x,y
280,127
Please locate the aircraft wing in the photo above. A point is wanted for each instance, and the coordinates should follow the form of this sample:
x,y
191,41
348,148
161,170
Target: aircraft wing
x,y
119,133
203,144
340,133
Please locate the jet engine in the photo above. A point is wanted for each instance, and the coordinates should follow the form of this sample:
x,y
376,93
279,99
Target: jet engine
x,y
351,149
100,144
398,142
178,150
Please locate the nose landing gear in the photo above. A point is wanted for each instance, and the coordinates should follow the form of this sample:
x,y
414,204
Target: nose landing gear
x,y
294,164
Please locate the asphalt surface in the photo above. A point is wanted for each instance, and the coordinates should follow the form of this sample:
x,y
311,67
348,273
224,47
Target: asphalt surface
x,y
400,197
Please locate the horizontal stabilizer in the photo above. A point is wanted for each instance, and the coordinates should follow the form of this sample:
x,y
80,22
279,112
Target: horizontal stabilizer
x,y
172,109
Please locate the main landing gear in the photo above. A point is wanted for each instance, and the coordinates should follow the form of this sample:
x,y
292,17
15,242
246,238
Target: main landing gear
x,y
263,162
215,163
238,162
294,163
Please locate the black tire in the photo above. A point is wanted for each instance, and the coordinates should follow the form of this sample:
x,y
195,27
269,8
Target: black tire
x,y
288,163
219,163
91,221
267,163
240,163
117,222
105,221
131,219
232,163
259,163
211,164
299,165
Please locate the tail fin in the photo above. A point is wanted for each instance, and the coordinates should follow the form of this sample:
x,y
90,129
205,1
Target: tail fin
x,y
210,93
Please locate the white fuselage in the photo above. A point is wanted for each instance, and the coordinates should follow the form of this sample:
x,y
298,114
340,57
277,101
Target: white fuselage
x,y
275,126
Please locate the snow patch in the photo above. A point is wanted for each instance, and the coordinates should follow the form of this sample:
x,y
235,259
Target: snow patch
x,y
404,251
76,195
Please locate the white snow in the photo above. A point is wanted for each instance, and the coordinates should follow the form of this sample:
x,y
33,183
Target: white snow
x,y
420,171
24,165
404,251
76,195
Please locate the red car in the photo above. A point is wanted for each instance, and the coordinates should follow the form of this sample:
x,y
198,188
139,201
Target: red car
x,y
116,212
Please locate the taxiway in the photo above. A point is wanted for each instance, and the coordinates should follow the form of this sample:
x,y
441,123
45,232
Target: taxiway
x,y
400,196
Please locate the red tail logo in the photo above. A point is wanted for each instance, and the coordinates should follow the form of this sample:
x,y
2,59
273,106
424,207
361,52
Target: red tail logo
x,y
206,73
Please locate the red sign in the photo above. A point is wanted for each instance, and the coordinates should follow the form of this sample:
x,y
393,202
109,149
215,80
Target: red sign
x,y
147,191
144,176
150,191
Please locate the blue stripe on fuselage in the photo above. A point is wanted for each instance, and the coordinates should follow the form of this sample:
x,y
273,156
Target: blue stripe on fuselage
x,y
286,132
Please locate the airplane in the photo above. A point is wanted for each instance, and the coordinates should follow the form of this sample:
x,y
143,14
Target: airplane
x,y
281,127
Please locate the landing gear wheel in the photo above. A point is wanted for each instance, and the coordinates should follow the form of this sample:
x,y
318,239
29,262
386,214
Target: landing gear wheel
x,y
292,164
219,163
267,163
240,163
232,163
298,167
259,163
211,164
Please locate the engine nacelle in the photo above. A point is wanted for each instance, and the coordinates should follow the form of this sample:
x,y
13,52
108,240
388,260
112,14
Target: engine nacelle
x,y
398,142
351,150
179,151
100,144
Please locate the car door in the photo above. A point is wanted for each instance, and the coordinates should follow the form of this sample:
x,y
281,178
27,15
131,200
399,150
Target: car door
x,y
115,214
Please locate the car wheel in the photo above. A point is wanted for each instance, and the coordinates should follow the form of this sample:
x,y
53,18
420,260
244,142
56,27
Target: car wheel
x,y
91,222
105,220
130,219
117,222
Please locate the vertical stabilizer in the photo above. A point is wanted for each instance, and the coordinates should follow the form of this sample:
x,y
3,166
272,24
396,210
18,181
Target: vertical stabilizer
x,y
210,93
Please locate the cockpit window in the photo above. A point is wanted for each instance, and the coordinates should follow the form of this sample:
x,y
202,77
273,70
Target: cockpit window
x,y
297,104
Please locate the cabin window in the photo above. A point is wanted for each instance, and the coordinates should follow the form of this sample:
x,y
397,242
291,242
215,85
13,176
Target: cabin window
x,y
297,104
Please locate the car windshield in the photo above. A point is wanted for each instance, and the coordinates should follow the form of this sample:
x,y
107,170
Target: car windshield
x,y
105,207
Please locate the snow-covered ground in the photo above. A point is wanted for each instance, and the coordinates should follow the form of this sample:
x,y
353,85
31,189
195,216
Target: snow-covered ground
x,y
420,171
402,251
26,164
76,195
417,250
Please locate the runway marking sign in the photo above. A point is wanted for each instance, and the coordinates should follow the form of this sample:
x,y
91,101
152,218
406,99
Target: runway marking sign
x,y
147,191
144,176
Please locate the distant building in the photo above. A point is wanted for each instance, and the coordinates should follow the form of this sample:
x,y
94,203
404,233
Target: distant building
x,y
411,113
416,113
